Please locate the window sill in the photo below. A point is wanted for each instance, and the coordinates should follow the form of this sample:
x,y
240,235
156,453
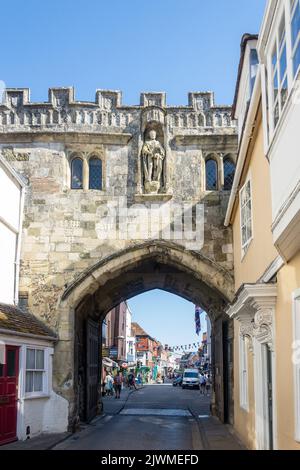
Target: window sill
x,y
36,397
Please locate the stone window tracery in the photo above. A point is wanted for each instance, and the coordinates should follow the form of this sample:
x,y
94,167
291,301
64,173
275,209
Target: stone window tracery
x,y
211,170
86,170
95,173
229,171
77,173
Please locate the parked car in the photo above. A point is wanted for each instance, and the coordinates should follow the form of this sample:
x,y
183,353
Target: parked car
x,y
191,378
177,381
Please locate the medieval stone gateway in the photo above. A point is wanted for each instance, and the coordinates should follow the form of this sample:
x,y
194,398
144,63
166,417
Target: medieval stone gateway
x,y
84,161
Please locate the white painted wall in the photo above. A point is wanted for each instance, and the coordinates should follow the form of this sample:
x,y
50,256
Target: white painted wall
x,y
47,412
9,198
282,141
284,159
8,242
10,207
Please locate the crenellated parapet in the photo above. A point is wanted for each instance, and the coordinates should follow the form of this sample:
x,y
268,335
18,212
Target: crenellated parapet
x,y
62,113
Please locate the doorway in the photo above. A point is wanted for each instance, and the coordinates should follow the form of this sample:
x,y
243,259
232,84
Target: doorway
x,y
269,395
264,414
9,372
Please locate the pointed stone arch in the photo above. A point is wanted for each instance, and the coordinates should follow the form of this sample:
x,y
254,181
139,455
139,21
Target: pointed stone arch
x,y
127,273
213,280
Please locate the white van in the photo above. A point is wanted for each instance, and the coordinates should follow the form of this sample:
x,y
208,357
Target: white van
x,y
191,378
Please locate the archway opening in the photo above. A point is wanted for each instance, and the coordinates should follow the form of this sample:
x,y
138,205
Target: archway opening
x,y
125,275
157,339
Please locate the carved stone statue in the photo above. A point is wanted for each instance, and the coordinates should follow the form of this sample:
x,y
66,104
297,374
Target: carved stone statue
x,y
153,155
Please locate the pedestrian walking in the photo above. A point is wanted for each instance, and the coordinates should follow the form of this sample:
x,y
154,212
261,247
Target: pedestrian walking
x,y
202,384
131,381
139,379
118,384
109,381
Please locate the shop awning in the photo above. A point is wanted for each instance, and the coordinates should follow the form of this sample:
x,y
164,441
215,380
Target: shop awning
x,y
107,362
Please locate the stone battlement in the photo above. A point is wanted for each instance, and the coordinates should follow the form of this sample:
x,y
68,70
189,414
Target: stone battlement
x,y
63,112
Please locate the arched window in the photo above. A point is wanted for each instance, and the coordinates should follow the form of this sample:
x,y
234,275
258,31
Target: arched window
x,y
211,175
76,174
95,173
229,170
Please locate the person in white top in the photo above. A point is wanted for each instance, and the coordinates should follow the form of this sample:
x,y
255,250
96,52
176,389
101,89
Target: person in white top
x,y
202,384
109,385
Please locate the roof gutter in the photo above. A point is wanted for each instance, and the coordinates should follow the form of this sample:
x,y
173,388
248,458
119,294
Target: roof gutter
x,y
265,27
245,39
244,145
53,339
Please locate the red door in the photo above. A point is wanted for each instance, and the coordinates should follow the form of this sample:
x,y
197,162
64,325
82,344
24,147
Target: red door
x,y
9,373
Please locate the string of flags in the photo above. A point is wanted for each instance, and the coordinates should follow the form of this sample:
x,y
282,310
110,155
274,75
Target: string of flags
x,y
186,347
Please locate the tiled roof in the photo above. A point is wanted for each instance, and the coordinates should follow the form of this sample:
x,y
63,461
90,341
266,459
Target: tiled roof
x,y
137,330
13,318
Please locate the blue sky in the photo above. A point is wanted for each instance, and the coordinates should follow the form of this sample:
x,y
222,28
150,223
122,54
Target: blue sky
x,y
166,317
175,46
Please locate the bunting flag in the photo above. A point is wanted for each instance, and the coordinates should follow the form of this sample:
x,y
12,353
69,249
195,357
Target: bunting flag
x,y
198,311
183,347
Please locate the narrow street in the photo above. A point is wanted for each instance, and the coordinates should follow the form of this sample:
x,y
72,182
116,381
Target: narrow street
x,y
156,417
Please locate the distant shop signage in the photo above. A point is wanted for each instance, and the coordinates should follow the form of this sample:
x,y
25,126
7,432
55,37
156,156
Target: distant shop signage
x,y
105,352
113,353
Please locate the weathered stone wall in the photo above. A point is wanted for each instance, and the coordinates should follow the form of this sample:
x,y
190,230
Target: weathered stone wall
x,y
62,227
59,236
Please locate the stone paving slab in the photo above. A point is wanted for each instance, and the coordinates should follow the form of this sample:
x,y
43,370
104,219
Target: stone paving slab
x,y
113,406
155,412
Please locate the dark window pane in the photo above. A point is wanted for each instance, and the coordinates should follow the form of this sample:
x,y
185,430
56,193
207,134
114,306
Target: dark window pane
x,y
253,68
296,60
284,93
76,170
29,382
295,24
38,381
95,170
275,86
11,363
229,170
283,63
211,175
30,359
1,370
39,359
276,115
274,58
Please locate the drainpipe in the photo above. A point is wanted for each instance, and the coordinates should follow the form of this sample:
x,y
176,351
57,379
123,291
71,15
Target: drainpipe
x,y
18,247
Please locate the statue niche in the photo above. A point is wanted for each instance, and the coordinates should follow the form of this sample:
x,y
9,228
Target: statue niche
x,y
153,155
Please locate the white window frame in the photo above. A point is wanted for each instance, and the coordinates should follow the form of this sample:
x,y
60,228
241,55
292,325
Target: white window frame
x,y
278,44
44,390
243,367
296,360
294,48
284,9
246,245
